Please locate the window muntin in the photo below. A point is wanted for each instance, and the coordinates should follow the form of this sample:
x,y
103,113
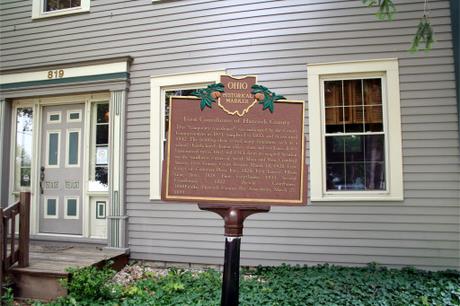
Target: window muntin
x,y
100,143
23,152
354,135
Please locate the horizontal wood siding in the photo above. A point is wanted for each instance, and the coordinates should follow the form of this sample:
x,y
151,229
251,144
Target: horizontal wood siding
x,y
274,40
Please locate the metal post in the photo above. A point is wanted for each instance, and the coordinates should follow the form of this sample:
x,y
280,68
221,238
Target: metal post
x,y
234,217
231,278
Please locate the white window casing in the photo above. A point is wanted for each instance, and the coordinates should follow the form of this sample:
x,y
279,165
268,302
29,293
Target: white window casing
x,y
157,117
38,9
388,70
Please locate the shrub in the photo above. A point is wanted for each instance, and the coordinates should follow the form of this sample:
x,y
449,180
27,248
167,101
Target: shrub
x,y
90,284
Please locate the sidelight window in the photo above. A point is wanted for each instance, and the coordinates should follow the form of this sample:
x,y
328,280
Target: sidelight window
x,y
100,147
23,148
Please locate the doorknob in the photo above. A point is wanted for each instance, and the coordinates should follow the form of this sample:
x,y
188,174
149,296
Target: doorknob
x,y
42,178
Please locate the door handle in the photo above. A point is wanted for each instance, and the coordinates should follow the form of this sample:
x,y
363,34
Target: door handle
x,y
42,178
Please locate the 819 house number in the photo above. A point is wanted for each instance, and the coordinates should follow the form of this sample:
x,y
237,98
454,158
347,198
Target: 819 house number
x,y
55,74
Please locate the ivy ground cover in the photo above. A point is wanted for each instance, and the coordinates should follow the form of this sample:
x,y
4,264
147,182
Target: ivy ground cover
x,y
284,285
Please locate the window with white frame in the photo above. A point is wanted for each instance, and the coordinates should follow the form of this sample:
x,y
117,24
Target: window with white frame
x,y
355,131
100,124
49,8
23,148
162,87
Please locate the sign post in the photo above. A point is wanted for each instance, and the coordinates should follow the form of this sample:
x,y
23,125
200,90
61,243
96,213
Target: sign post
x,y
236,148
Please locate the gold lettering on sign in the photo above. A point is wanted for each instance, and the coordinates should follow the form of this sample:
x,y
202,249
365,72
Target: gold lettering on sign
x,y
238,85
56,74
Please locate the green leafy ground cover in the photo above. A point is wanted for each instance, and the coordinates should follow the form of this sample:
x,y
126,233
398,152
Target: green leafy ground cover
x,y
284,285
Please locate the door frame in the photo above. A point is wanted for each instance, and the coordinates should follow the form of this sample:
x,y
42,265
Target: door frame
x,y
37,105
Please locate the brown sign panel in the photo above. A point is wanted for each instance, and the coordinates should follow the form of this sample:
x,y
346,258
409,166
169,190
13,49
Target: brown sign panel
x,y
214,156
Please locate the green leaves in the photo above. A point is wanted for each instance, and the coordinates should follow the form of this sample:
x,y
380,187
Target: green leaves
x,y
206,94
424,34
320,285
387,8
269,97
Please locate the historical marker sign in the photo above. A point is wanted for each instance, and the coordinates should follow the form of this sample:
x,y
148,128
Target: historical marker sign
x,y
235,143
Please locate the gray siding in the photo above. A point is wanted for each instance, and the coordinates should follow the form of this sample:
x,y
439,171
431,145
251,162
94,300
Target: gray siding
x,y
274,40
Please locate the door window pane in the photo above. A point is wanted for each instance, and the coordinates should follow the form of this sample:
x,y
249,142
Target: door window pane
x,y
100,209
23,154
73,148
72,210
53,149
51,208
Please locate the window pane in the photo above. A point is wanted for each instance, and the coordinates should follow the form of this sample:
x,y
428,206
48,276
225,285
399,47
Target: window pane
x,y
335,176
51,207
372,91
335,149
375,148
74,116
354,148
25,177
333,93
73,148
374,118
102,175
102,134
53,149
53,5
352,92
354,119
334,120
355,177
72,207
375,176
375,162
23,146
103,113
100,210
55,117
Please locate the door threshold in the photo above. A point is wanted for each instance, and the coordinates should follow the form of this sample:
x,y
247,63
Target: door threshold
x,y
67,238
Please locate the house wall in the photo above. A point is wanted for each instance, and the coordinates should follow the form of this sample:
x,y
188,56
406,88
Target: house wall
x,y
274,40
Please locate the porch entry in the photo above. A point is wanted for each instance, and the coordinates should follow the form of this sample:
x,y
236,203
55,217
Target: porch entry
x,y
61,169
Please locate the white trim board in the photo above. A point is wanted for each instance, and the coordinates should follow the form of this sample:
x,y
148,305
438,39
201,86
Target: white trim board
x,y
69,72
157,109
389,69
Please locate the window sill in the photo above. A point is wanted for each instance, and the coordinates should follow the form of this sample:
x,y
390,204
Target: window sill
x,y
60,13
358,198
